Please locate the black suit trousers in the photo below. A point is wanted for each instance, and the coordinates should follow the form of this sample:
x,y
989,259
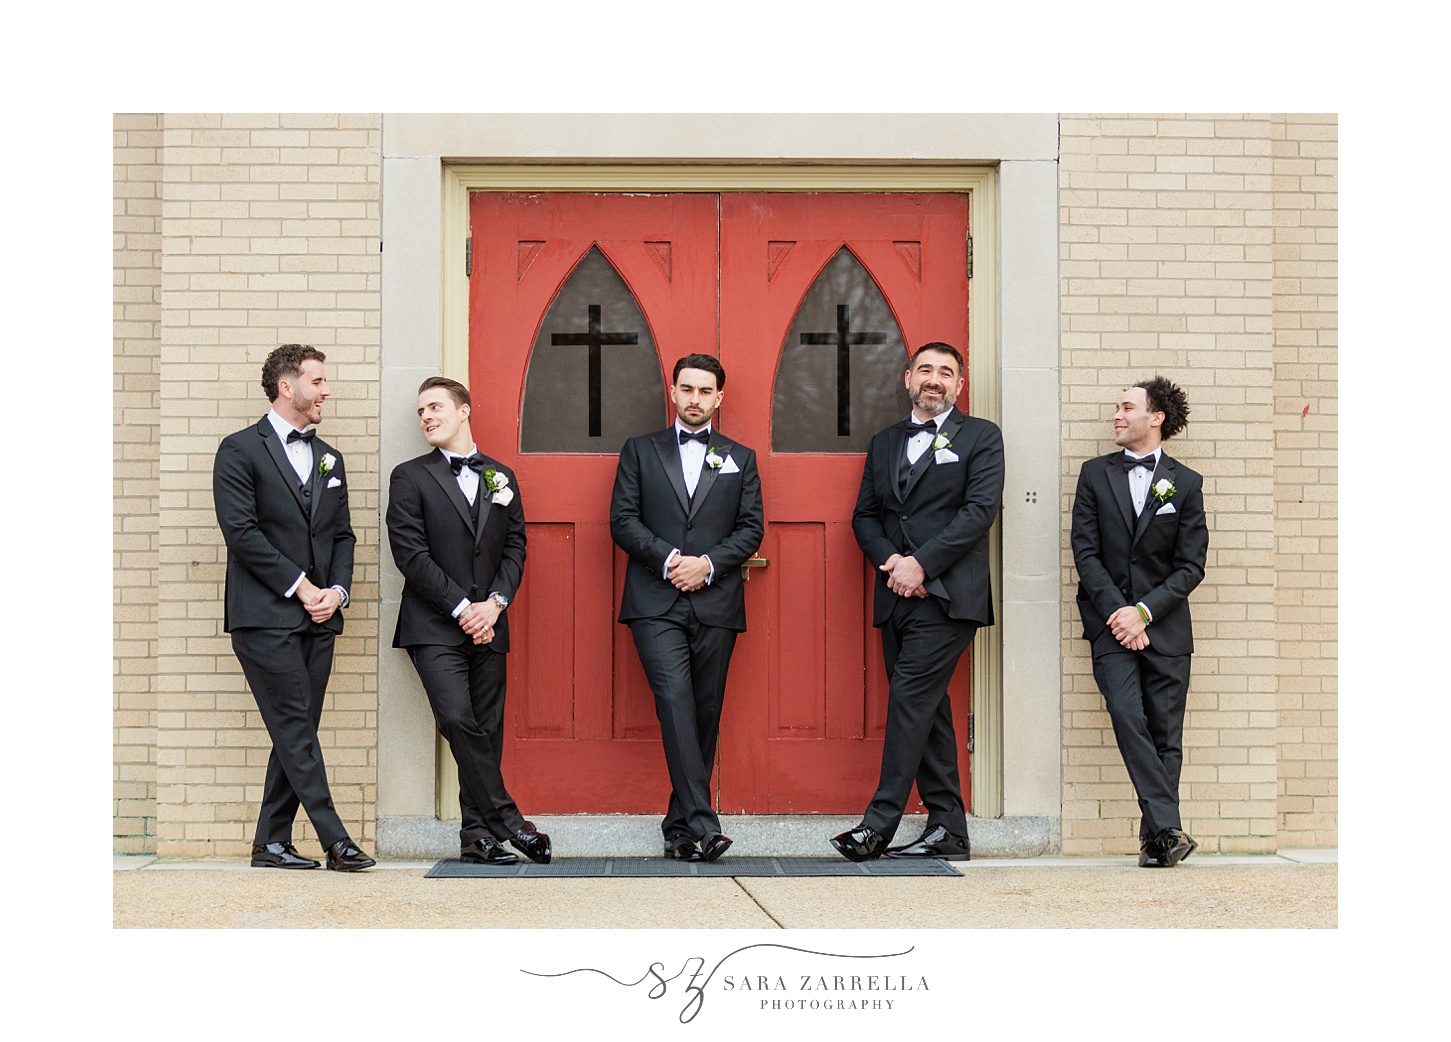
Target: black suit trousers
x,y
685,662
287,671
921,644
1145,694
465,684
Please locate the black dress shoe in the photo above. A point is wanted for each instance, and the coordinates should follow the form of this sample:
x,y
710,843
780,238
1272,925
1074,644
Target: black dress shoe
x,y
533,844
862,843
1150,856
682,848
715,846
936,842
487,851
1176,845
280,855
345,856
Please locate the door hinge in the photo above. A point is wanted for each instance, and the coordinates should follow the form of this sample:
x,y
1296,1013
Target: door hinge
x,y
971,737
469,257
969,256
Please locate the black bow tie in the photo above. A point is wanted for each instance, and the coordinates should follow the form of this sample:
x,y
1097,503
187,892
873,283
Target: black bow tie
x,y
473,462
685,435
1146,462
306,435
913,428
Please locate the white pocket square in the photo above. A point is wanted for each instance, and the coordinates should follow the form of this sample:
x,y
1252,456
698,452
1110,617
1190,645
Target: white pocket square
x,y
947,456
729,466
334,482
1167,508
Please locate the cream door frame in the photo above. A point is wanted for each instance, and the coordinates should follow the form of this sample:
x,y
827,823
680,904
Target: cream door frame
x,y
984,356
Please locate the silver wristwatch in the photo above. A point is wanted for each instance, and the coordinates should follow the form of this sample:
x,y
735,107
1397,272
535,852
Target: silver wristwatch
x,y
502,600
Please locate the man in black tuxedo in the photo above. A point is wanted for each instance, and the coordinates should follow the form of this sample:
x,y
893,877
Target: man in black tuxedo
x,y
931,487
456,528
281,497
1139,541
687,509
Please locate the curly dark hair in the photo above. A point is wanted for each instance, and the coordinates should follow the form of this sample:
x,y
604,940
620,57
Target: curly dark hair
x,y
285,363
1168,398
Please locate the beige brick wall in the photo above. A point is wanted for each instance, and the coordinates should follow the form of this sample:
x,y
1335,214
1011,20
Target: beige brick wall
x,y
1204,247
136,361
1306,422
271,231
1166,244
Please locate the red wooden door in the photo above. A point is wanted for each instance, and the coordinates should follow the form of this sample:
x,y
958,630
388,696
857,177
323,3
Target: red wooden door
x,y
579,306
805,709
581,734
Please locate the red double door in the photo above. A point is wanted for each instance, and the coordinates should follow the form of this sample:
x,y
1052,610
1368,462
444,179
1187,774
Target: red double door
x,y
579,306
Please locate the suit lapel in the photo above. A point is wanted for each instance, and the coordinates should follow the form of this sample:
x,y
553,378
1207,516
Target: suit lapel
x,y
279,457
708,474
949,429
319,480
1165,469
487,503
437,466
896,453
667,446
1118,480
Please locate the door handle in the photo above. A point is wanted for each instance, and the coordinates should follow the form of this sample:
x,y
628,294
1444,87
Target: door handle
x,y
752,562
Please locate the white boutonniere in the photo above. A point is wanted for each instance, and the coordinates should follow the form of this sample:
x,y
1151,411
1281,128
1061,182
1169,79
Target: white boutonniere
x,y
941,442
712,459
498,485
1163,490
328,462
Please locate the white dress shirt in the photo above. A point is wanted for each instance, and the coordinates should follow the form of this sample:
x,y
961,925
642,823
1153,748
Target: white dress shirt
x,y
692,458
917,444
468,477
299,454
1140,478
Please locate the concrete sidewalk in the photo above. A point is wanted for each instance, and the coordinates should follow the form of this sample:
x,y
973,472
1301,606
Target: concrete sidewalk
x,y
1295,889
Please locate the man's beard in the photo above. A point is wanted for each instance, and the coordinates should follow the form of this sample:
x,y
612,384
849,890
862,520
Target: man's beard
x,y
943,404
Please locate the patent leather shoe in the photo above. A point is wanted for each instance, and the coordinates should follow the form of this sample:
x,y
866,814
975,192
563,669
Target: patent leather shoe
x,y
862,843
279,855
1150,856
344,856
533,844
936,842
714,846
682,848
1176,845
487,851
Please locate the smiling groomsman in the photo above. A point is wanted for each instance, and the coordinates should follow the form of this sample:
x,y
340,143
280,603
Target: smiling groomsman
x,y
1140,540
456,529
930,490
281,498
687,509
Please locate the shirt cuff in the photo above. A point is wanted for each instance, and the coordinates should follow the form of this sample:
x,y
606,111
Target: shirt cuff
x,y
1145,609
343,594
293,588
665,571
711,577
460,606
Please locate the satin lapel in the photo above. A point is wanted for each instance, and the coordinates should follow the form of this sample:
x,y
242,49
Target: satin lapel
x,y
667,446
488,502
950,427
438,468
1151,505
708,474
1118,480
320,449
279,457
897,448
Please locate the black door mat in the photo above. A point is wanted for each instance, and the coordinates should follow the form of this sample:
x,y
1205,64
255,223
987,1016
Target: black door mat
x,y
652,868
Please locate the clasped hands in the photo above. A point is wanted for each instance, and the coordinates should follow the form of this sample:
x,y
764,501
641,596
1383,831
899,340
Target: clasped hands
x,y
320,604
478,618
687,574
905,577
1129,628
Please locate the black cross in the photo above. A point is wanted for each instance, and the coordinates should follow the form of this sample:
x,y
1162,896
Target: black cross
x,y
843,341
594,339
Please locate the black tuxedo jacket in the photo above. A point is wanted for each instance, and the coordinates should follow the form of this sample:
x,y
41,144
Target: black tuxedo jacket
x,y
273,531
1156,557
942,519
650,514
444,556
